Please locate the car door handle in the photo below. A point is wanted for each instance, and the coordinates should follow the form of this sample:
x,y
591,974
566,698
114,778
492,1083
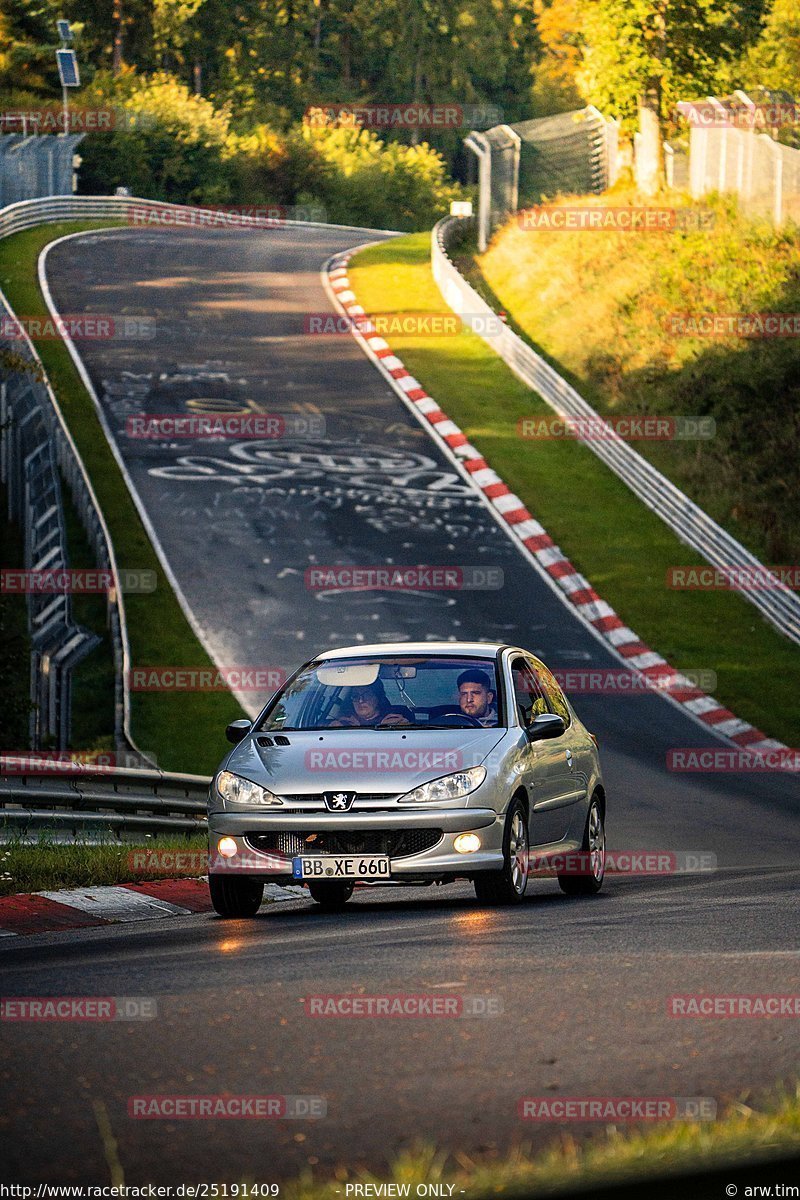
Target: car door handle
x,y
569,758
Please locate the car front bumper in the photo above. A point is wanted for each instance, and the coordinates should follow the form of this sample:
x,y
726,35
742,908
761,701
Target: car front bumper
x,y
439,860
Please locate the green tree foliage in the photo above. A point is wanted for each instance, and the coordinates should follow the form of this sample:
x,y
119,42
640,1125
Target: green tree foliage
x,y
173,145
774,61
169,144
27,43
682,48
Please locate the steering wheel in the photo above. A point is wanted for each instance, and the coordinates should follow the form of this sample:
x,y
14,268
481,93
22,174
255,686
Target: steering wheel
x,y
457,715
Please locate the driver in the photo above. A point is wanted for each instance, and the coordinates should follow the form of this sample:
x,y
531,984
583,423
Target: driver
x,y
476,698
369,705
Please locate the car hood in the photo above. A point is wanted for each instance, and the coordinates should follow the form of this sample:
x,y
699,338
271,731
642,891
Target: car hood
x,y
368,760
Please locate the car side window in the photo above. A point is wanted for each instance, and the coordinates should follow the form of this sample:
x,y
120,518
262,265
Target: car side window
x,y
555,696
528,694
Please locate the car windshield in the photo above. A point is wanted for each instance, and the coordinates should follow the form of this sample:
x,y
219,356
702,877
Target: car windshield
x,y
421,692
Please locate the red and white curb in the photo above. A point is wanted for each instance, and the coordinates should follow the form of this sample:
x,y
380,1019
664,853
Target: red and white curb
x,y
83,908
573,588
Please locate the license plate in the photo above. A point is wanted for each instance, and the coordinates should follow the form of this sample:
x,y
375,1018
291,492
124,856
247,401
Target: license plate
x,y
341,866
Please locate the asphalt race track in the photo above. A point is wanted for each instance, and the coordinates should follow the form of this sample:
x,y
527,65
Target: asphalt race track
x,y
583,985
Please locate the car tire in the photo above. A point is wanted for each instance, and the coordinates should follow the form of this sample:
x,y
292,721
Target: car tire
x,y
507,886
589,881
234,896
331,897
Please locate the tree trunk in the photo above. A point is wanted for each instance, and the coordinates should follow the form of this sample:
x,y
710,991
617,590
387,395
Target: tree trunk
x,y
116,17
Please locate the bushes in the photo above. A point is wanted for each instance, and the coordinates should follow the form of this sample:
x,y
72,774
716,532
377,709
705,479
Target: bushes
x,y
172,145
168,143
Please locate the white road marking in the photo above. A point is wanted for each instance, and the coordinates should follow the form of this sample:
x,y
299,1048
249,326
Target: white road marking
x,y
116,903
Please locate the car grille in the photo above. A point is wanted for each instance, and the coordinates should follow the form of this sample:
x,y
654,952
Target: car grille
x,y
397,843
318,799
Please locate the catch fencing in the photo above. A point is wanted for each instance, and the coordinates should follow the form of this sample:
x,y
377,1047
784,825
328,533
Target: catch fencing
x,y
38,166
694,528
519,165
730,152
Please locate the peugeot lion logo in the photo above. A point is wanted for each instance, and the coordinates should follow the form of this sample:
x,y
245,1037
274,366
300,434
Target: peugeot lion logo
x,y
338,801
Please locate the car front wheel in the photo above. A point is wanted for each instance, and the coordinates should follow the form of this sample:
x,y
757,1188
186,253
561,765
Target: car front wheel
x,y
589,880
233,896
507,886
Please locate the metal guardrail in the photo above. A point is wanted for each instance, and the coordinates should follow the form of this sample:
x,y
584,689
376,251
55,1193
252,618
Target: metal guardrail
x,y
140,213
136,213
92,800
778,604
31,449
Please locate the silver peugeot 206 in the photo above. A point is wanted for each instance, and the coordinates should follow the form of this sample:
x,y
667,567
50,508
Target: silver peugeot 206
x,y
409,763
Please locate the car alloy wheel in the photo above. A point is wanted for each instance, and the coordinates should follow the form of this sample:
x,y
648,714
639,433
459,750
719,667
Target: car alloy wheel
x,y
507,886
589,880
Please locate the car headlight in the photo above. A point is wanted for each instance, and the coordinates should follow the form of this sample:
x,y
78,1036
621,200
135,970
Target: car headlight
x,y
449,787
243,792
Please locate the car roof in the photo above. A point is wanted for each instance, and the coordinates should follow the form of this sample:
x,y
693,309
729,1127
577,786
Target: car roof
x,y
453,649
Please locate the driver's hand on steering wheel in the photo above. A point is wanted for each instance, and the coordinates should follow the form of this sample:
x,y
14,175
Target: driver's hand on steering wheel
x,y
395,719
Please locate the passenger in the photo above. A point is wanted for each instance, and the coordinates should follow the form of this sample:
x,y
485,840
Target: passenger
x,y
369,705
476,698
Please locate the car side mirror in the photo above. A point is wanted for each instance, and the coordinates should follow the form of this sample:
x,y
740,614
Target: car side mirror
x,y
237,730
546,725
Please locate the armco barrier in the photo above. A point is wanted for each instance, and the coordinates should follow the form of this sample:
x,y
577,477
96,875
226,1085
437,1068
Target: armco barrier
x,y
26,214
778,604
94,800
31,448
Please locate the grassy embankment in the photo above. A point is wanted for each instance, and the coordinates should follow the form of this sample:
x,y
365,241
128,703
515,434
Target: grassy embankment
x,y
47,866
622,548
184,730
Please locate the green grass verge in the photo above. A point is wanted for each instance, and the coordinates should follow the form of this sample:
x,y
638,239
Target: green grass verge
x,y
742,1133
602,308
46,865
623,548
184,730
